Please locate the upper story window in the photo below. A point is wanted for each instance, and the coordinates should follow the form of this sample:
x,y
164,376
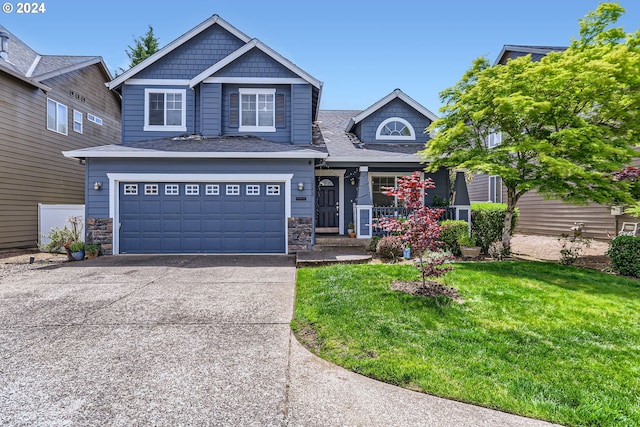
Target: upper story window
x,y
495,189
494,139
56,117
396,128
94,119
257,110
165,110
77,121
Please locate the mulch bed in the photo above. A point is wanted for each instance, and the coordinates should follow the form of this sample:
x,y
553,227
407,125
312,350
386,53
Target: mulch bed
x,y
431,289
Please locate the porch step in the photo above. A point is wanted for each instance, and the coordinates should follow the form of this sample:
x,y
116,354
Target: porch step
x,y
335,250
323,242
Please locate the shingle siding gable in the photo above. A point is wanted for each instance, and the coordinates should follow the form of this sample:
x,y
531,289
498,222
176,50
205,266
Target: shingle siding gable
x,y
193,57
256,63
366,130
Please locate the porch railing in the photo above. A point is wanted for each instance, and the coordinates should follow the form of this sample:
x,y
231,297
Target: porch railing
x,y
379,213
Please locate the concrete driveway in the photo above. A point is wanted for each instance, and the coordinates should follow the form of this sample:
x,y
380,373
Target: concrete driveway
x,y
184,340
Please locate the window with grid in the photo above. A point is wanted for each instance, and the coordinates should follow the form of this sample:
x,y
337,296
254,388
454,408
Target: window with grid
x,y
151,189
257,110
273,190
171,190
131,189
165,109
192,189
232,190
212,190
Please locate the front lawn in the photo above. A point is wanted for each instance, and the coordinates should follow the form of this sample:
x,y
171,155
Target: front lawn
x,y
537,339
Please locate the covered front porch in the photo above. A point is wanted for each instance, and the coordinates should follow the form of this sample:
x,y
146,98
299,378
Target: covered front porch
x,y
354,196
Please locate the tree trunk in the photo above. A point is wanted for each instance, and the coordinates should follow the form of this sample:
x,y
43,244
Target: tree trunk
x,y
512,200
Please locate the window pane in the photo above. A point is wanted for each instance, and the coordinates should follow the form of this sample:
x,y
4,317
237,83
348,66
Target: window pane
x,y
265,110
380,185
51,115
248,110
156,109
62,118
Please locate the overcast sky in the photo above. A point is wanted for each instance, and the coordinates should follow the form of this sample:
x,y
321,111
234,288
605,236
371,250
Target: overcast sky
x,y
360,50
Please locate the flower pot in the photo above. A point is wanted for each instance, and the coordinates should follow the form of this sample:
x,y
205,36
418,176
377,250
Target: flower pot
x,y
93,255
77,256
470,251
352,235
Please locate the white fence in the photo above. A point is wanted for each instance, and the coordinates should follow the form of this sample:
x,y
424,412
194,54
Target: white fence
x,y
52,216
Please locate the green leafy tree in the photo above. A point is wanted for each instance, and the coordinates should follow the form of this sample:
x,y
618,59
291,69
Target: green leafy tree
x,y
567,121
143,48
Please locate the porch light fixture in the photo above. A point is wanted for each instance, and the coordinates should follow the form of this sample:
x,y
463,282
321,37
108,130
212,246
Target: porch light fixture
x,y
97,186
301,186
353,181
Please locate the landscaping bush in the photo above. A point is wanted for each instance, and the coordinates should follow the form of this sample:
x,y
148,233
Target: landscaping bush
x,y
373,244
624,252
451,231
487,220
390,247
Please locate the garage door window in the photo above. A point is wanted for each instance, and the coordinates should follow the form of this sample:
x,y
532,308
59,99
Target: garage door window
x,y
171,190
151,189
253,190
213,190
233,190
131,189
273,190
192,189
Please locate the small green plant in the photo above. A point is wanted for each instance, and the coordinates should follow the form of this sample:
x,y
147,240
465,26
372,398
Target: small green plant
x,y
451,230
351,226
91,249
76,247
60,238
624,252
466,240
572,246
390,247
373,244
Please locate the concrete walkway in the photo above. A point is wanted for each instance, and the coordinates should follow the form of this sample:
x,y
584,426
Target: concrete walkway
x,y
184,340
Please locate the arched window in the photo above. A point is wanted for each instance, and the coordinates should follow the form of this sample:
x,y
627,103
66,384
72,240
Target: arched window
x,y
396,128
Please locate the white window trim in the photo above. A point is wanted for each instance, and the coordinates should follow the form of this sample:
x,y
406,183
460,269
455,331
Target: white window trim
x,y
411,137
254,91
494,139
494,180
66,117
396,175
172,189
192,189
165,128
78,113
116,178
273,189
95,119
151,190
252,190
212,190
232,190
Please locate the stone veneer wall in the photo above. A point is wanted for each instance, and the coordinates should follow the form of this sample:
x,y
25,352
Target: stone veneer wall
x,y
300,234
100,231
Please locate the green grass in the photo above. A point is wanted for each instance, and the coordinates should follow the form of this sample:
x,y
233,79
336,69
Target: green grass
x,y
536,339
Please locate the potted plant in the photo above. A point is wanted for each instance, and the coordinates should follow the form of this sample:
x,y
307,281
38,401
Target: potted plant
x,y
468,247
92,250
351,229
77,250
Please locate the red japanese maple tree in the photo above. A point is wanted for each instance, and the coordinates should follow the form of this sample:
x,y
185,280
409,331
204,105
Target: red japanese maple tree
x,y
421,229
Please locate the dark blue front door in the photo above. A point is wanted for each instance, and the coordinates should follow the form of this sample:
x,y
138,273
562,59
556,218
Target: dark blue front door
x,y
224,217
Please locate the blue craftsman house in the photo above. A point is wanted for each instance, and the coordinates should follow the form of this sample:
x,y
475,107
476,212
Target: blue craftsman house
x,y
224,150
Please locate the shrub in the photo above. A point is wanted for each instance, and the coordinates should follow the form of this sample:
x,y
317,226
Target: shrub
x,y
373,244
487,220
452,230
390,247
497,250
624,252
572,247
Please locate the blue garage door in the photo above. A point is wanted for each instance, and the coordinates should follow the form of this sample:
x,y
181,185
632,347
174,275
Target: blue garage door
x,y
223,217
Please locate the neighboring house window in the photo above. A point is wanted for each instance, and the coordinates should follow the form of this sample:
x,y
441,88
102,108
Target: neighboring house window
x,y
77,121
396,128
257,110
94,119
494,139
165,110
212,190
495,189
56,116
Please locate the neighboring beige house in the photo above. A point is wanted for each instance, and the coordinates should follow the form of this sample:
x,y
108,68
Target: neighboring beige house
x,y
537,215
48,104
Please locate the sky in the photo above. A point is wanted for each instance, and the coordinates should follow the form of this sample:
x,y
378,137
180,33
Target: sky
x,y
360,50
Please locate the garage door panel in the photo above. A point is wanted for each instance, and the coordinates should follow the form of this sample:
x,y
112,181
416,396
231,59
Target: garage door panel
x,y
206,222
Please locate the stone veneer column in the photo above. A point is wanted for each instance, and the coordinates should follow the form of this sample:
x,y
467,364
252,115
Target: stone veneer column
x,y
100,231
300,232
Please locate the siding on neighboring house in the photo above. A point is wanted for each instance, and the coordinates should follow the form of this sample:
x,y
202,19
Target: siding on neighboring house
x,y
32,167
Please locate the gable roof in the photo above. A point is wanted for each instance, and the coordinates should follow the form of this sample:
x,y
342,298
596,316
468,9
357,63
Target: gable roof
x,y
536,52
397,93
257,44
213,20
29,66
